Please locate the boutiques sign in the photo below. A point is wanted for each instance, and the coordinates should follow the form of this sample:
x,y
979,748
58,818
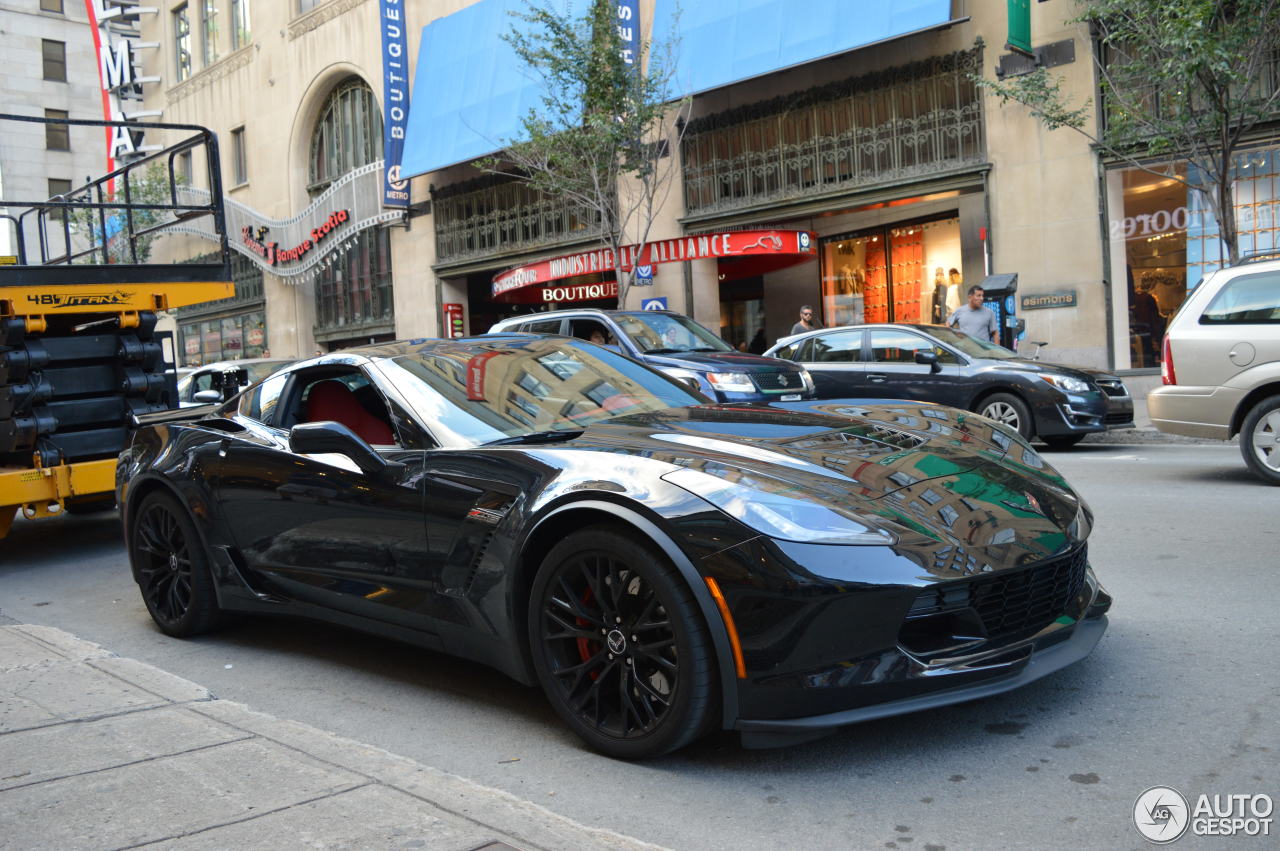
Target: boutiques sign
x,y
730,244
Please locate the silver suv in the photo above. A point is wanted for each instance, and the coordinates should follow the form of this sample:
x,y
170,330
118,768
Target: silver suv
x,y
1222,364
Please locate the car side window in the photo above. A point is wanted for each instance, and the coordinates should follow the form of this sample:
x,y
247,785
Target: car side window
x,y
260,402
840,347
889,346
1246,300
545,326
202,381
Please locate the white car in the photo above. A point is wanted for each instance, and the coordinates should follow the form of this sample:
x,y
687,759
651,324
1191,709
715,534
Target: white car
x,y
215,382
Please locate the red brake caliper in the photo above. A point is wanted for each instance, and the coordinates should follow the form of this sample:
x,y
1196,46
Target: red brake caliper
x,y
586,647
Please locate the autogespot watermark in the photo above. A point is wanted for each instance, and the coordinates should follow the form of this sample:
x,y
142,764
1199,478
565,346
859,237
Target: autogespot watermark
x,y
1163,815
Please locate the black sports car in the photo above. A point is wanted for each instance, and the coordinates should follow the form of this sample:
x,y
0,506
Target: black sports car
x,y
660,565
1055,403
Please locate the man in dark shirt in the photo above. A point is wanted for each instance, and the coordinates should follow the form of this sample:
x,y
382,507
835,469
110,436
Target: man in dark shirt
x,y
807,321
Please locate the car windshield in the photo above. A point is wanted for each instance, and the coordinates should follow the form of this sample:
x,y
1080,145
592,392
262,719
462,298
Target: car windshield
x,y
470,393
665,333
971,346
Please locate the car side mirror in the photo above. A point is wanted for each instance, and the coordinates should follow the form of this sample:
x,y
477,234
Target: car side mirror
x,y
929,358
329,437
207,397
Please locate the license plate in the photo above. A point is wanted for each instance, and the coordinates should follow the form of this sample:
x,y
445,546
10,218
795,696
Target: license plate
x,y
791,397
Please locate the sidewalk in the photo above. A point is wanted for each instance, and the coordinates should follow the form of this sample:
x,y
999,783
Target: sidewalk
x,y
98,751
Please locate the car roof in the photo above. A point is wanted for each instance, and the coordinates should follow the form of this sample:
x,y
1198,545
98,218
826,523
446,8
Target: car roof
x,y
584,311
233,364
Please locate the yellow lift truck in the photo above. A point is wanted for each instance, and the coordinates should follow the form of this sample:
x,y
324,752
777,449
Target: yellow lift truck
x,y
80,356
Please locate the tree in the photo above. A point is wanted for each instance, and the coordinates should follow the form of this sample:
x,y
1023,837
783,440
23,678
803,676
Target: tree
x,y
149,186
603,137
1189,79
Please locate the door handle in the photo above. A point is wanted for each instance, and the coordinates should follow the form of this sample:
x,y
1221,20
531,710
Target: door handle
x,y
877,378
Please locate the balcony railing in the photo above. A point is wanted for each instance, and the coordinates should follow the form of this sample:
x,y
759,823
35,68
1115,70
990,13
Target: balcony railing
x,y
492,215
905,122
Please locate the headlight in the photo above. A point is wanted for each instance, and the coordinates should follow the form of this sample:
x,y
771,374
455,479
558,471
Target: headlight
x,y
731,382
780,511
807,379
1066,382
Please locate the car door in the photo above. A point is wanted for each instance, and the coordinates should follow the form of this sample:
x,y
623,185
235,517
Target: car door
x,y
834,359
892,371
316,528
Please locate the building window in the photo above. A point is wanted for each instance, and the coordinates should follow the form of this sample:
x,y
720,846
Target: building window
x,y
308,5
348,135
54,54
239,158
910,121
353,289
184,168
57,137
182,42
58,186
241,31
208,32
51,6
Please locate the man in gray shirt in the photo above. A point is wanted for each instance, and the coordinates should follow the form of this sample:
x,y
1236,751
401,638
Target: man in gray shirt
x,y
975,318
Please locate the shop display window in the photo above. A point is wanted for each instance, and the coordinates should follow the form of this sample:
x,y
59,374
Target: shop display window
x,y
903,273
1170,238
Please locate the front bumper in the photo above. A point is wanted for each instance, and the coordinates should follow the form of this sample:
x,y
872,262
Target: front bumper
x,y
1008,670
1084,414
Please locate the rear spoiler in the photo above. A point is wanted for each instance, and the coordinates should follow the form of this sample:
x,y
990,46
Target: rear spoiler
x,y
176,415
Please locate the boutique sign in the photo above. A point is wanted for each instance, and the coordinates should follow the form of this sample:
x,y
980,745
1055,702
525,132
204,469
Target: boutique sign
x,y
395,94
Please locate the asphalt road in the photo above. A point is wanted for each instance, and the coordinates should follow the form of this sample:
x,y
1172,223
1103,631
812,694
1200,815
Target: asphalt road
x,y
1182,691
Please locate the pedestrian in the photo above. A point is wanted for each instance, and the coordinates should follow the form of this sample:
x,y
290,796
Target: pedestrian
x,y
975,318
807,321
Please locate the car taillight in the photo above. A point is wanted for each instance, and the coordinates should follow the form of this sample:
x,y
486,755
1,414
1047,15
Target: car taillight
x,y
1167,374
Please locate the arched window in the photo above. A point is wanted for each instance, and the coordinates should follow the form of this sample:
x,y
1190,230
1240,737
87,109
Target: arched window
x,y
353,288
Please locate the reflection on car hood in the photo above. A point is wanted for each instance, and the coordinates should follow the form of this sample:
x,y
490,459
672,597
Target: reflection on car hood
x,y
940,476
1037,366
720,362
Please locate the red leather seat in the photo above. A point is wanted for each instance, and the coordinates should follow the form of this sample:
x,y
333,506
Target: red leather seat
x,y
333,400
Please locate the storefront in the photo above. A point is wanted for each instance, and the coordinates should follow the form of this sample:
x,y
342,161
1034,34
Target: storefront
x,y
229,329
909,272
1164,240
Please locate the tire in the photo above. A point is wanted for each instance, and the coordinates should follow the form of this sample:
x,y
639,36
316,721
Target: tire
x,y
1062,441
631,670
1010,410
172,568
1260,440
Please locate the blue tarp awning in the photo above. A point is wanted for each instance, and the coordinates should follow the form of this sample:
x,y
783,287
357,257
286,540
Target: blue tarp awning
x,y
470,90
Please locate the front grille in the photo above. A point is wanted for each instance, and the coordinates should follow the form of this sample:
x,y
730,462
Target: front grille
x,y
1011,601
1112,386
1117,419
778,382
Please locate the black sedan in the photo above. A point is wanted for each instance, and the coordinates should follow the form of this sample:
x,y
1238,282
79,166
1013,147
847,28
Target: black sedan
x,y
661,566
1055,403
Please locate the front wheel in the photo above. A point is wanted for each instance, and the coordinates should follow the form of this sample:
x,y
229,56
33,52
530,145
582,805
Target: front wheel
x,y
1009,410
172,568
1260,440
619,645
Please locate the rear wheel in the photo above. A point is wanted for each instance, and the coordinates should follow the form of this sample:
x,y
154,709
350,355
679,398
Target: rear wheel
x,y
172,568
1260,440
1009,410
619,645
1062,441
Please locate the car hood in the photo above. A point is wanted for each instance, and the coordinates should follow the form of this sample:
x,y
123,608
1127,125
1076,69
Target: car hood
x,y
936,476
1040,366
721,362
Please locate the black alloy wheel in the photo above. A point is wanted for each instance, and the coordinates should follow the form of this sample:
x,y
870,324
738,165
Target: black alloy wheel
x,y
619,645
171,568
1260,440
1009,410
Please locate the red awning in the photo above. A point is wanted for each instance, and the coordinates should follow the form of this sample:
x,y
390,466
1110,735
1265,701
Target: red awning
x,y
770,250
